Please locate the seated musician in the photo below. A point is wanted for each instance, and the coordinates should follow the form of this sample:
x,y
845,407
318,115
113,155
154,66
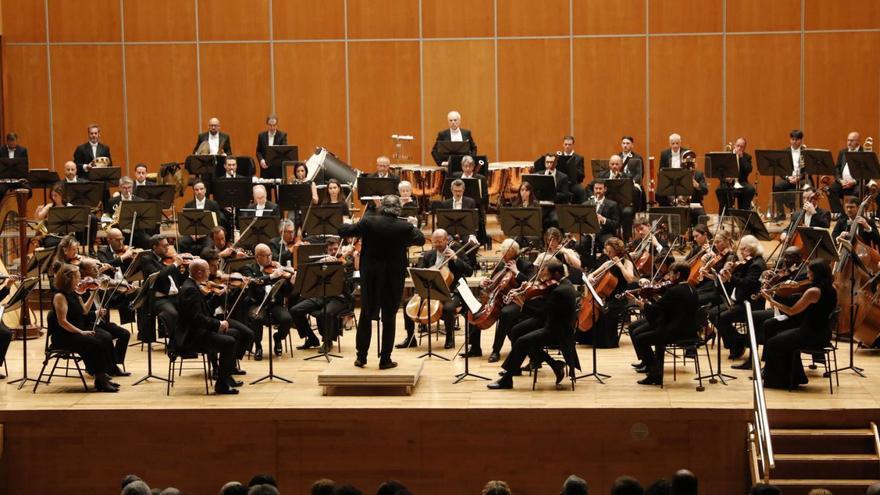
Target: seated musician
x,y
553,328
264,273
286,239
217,241
199,331
767,323
141,236
336,197
459,201
613,263
454,133
260,206
554,248
607,212
69,330
407,200
383,171
722,250
742,279
200,201
221,296
866,231
5,332
844,184
460,265
301,176
119,256
140,176
701,189
737,188
791,182
671,319
625,212
326,311
56,198
165,289
562,181
648,248
104,328
810,215
467,172
782,367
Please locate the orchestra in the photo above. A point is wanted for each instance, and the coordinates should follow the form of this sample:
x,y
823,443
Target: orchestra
x,y
630,273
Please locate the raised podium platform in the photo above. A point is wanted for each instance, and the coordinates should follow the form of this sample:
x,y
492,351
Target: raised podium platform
x,y
342,377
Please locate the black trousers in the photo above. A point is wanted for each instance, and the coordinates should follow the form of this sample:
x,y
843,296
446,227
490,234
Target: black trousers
x,y
244,337
380,298
724,319
742,196
120,336
653,358
276,314
787,199
96,350
837,193
5,340
222,344
322,310
532,345
511,314
782,363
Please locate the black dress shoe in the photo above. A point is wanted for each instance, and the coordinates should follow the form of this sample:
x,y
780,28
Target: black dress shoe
x,y
215,375
233,382
558,370
308,344
105,387
494,357
239,371
409,341
360,363
642,369
258,354
650,380
119,372
505,382
637,364
113,384
450,343
745,365
387,365
472,353
225,390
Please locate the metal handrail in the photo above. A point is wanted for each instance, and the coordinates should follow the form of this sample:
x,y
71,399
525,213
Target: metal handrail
x,y
764,444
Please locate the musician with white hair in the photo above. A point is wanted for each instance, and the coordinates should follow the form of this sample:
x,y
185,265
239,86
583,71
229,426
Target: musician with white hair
x,y
261,206
454,133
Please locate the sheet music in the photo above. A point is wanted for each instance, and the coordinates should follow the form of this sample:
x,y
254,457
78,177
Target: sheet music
x,y
468,297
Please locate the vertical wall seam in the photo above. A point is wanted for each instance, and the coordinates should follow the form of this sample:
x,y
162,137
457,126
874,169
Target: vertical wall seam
x,y
198,68
423,140
271,58
124,87
347,90
49,86
647,79
571,129
497,82
723,72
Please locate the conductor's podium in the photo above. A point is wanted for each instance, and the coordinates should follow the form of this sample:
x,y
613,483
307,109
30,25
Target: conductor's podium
x,y
342,377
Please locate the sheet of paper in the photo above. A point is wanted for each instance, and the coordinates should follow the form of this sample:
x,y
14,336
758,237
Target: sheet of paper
x,y
468,297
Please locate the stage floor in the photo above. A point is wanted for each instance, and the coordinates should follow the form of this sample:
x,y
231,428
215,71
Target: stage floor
x,y
435,388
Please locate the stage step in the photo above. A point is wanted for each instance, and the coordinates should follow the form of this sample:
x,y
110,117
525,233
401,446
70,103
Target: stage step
x,y
823,441
835,486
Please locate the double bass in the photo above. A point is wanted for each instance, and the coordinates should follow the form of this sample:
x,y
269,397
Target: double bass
x,y
846,277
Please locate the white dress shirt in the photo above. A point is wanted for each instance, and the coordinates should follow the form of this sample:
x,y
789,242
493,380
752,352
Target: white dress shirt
x,y
271,139
94,150
796,160
455,135
675,159
213,143
845,173
260,209
200,204
11,153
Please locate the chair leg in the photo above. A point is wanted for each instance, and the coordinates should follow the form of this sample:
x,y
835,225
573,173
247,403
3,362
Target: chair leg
x,y
54,367
674,363
40,377
700,387
836,374
81,376
206,368
534,378
828,372
170,382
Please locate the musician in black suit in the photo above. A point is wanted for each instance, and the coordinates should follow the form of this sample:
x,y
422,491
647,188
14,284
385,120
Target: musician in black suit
x,y
467,172
286,237
562,181
625,212
701,189
262,206
673,156
163,299
120,256
575,163
633,163
12,150
383,171
213,142
454,133
385,243
607,212
845,184
742,282
790,182
727,190
199,331
140,176
270,137
866,232
556,330
274,310
200,201
810,215
87,152
671,319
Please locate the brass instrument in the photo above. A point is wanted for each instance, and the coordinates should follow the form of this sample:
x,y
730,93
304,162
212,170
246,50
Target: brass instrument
x,y
728,147
869,144
174,174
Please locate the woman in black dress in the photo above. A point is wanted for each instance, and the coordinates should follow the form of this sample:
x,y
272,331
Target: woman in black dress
x,y
335,197
5,332
782,366
68,329
615,261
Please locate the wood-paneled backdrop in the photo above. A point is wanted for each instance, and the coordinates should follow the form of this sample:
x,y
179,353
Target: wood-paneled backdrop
x,y
346,74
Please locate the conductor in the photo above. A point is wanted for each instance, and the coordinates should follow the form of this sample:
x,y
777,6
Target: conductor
x,y
385,240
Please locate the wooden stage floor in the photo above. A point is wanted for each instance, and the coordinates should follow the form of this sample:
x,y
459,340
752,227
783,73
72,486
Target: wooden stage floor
x,y
435,388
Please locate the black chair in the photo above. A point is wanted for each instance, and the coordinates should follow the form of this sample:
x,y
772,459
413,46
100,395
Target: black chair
x,y
56,353
829,352
176,363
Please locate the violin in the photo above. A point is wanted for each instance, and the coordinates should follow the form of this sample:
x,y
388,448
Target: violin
x,y
649,291
87,284
711,264
530,290
287,272
786,288
212,288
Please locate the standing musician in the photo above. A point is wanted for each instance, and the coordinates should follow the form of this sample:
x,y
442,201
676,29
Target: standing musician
x,y
672,157
461,266
810,215
264,273
68,328
213,142
578,193
742,279
866,231
85,154
385,242
671,319
200,331
633,163
272,136
454,133
625,213
790,182
553,328
781,355
104,329
614,262
739,187
165,288
844,184
326,310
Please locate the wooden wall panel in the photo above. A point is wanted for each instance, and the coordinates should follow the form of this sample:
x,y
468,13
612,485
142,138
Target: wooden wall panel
x,y
383,19
24,21
762,113
529,18
685,16
458,18
233,20
534,111
384,98
841,96
74,20
839,14
26,107
472,93
159,20
240,98
308,19
608,104
79,98
759,15
158,132
310,95
609,16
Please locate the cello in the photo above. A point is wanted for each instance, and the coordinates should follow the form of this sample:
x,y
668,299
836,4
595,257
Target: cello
x,y
502,281
417,309
606,282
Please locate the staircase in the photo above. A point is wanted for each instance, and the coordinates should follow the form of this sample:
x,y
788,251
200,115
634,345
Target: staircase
x,y
844,461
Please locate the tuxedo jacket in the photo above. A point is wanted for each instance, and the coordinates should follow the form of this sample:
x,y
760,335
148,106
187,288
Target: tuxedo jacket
x,y
466,203
484,186
115,200
673,315
82,155
666,156
20,152
611,211
263,142
841,161
210,205
271,209
635,166
563,187
822,219
699,192
225,144
575,164
446,135
196,320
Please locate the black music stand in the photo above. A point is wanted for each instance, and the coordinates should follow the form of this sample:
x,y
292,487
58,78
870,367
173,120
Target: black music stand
x,y
428,283
458,222
597,305
202,165
818,241
232,265
267,299
752,223
682,212
232,192
63,220
863,165
84,193
543,185
322,280
42,178
775,163
105,174
142,297
15,301
521,222
38,264
140,215
578,218
163,193
446,149
323,220
722,165
277,155
308,253
13,168
598,166
620,191
196,222
369,188
258,230
294,197
467,295
675,182
818,162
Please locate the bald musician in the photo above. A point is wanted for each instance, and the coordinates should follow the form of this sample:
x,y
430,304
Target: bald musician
x,y
454,133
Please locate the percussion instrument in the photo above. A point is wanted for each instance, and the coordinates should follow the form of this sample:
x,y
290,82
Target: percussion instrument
x,y
426,180
324,165
100,162
505,178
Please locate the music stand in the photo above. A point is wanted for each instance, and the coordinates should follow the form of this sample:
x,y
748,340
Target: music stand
x,y
322,280
201,165
620,191
196,222
37,265
578,218
105,174
232,265
259,230
863,165
776,163
15,301
428,283
370,188
232,192
140,215
598,166
63,220
752,223
142,297
42,178
277,155
84,193
818,162
675,182
13,168
472,305
163,193
294,197
671,212
597,305
323,220
448,148
544,186
458,222
819,240
270,295
521,222
307,253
